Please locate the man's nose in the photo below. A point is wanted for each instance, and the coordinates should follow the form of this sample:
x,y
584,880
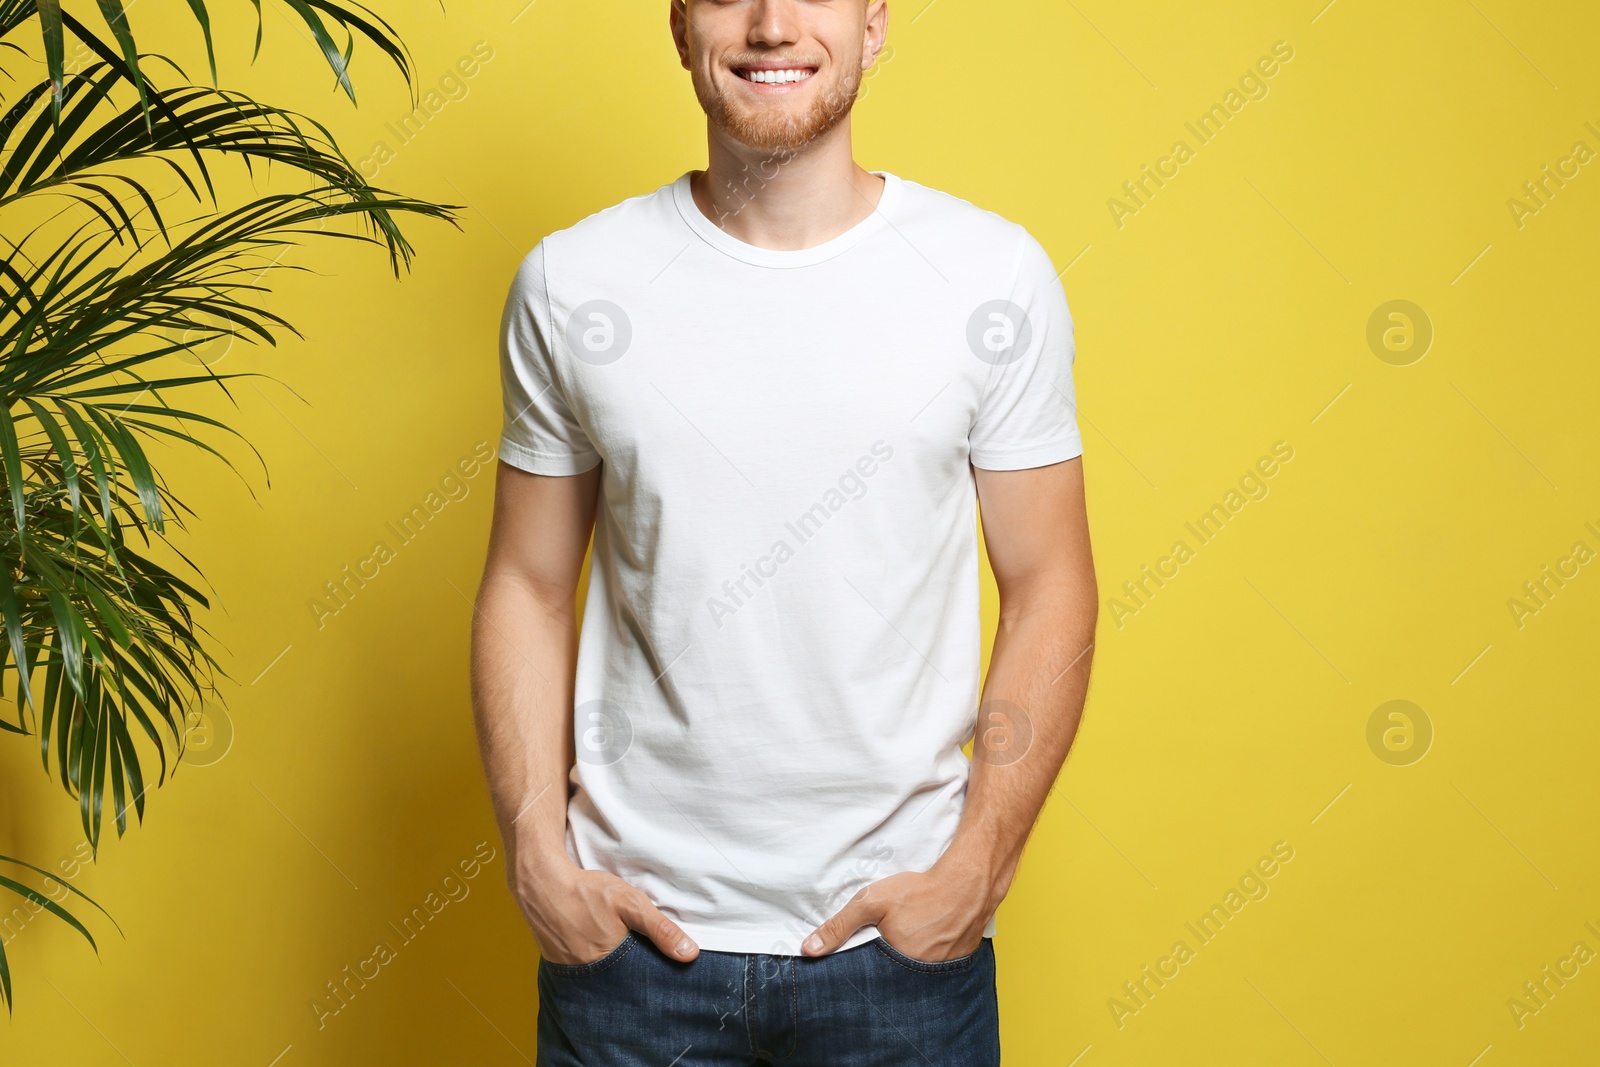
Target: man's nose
x,y
773,22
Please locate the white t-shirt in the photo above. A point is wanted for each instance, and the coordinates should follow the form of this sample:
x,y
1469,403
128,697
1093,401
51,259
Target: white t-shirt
x,y
780,652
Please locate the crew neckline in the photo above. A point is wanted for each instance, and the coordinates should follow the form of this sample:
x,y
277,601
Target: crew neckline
x,y
724,241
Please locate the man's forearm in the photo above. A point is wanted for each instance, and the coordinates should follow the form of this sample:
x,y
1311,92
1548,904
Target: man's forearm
x,y
1032,703
523,647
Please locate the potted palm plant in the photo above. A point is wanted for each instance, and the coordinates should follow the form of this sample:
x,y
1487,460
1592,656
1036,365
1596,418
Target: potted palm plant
x,y
102,655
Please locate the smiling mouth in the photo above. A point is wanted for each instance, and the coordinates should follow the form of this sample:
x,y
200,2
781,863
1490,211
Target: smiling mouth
x,y
779,76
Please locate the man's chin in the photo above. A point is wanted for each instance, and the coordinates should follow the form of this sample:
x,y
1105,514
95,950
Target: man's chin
x,y
769,140
777,133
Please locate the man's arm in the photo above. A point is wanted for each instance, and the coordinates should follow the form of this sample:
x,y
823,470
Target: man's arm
x,y
524,648
1036,529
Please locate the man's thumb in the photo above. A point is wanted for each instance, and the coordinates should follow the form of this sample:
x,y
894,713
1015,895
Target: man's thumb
x,y
667,935
856,913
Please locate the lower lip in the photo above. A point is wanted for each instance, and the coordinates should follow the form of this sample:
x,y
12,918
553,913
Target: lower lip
x,y
768,87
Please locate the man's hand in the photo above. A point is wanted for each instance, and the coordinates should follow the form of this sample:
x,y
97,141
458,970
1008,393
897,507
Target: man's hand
x,y
932,916
579,915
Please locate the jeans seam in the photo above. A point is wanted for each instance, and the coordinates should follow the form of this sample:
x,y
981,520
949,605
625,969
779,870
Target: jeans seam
x,y
604,963
794,1010
749,1006
911,963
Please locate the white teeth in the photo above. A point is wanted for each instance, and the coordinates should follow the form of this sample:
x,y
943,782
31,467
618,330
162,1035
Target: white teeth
x,y
777,77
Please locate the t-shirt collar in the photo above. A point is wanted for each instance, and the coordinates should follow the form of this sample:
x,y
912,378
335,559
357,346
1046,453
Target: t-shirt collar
x,y
720,239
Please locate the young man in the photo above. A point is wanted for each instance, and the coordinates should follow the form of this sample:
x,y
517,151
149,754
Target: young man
x,y
736,812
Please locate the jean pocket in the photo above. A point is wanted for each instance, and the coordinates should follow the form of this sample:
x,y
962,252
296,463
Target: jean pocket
x,y
577,970
960,963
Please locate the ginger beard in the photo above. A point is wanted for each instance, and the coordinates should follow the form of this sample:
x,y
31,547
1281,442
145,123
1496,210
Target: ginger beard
x,y
773,125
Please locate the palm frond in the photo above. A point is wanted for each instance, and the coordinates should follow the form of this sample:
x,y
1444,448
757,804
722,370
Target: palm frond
x,y
354,19
33,895
103,639
85,154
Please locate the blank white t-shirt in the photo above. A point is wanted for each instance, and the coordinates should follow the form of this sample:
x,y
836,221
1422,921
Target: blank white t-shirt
x,y
780,651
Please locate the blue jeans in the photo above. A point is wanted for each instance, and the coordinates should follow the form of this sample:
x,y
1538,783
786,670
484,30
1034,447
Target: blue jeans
x,y
867,1006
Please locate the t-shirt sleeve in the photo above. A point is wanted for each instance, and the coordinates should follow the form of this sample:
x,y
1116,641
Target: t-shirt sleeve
x,y
539,433
1028,416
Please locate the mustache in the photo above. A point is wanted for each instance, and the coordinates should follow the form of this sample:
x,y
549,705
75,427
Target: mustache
x,y
769,61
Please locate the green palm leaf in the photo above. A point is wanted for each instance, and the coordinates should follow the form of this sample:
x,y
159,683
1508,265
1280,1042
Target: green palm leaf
x,y
103,641
353,18
31,894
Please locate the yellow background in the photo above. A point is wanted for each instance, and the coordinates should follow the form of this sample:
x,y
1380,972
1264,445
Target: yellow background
x,y
1229,713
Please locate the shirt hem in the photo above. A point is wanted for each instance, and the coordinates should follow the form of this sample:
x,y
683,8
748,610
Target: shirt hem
x,y
745,940
535,462
781,942
1011,459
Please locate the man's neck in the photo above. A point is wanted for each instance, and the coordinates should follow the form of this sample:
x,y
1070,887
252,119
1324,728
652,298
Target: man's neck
x,y
786,200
